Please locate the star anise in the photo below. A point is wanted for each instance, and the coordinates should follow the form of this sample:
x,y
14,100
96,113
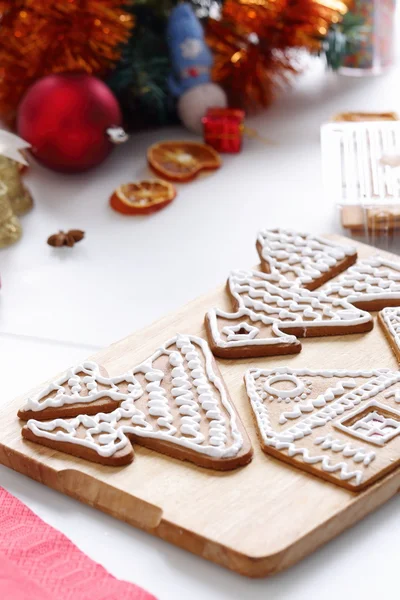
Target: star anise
x,y
68,238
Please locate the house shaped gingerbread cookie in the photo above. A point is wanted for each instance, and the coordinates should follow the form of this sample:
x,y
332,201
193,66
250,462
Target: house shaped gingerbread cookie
x,y
389,320
342,426
175,402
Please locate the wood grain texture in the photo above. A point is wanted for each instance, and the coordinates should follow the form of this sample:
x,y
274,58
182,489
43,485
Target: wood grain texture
x,y
256,520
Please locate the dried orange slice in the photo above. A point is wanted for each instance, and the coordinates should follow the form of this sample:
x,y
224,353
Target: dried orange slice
x,y
142,197
182,161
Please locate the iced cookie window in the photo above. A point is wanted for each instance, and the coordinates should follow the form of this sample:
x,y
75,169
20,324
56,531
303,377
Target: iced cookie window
x,y
375,423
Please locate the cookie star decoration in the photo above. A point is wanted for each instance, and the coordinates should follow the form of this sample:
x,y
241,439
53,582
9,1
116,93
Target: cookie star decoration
x,y
175,402
242,331
271,314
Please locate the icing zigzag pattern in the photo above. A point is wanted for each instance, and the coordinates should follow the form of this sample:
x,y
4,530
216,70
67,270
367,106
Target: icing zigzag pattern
x,y
271,313
176,397
344,406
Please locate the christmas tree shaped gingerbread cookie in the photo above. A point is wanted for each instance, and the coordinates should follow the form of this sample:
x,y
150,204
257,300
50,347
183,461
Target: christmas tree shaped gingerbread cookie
x,y
371,284
270,313
304,260
175,402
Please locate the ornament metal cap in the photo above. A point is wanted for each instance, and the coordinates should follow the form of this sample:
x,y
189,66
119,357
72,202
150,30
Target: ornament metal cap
x,y
117,134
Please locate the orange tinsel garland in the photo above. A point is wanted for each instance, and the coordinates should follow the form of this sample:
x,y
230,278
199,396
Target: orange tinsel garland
x,y
254,42
246,67
287,23
39,37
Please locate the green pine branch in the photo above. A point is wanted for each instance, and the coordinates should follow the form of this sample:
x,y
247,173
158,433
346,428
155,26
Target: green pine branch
x,y
140,79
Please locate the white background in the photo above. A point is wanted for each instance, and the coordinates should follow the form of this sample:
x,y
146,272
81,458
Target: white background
x,y
57,306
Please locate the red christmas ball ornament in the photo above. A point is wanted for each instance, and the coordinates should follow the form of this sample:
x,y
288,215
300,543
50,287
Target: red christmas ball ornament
x,y
72,121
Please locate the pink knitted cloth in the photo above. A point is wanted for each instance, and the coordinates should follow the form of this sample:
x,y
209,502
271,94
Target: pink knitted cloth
x,y
38,562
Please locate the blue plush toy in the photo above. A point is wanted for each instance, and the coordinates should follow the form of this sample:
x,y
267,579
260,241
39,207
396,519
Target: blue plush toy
x,y
190,80
191,59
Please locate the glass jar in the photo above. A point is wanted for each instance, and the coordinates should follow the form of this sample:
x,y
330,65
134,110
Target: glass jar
x,y
374,54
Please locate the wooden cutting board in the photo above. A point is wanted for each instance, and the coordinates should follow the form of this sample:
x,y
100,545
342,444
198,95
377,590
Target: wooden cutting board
x,y
256,520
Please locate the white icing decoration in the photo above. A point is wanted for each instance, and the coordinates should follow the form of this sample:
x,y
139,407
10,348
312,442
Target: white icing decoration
x,y
290,393
235,332
188,375
293,306
91,379
303,257
394,394
360,454
289,439
262,302
368,280
374,425
252,317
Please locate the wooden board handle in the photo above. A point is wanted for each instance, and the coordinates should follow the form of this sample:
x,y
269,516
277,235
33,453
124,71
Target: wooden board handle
x,y
108,499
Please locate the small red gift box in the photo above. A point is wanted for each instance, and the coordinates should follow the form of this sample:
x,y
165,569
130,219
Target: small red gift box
x,y
223,129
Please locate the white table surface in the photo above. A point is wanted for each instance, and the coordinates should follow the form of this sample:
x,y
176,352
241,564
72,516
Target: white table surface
x,y
57,307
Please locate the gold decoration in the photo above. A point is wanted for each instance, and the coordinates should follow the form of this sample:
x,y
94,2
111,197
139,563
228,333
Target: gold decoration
x,y
10,228
19,196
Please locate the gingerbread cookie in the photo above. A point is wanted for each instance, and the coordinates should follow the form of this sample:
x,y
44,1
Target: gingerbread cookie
x,y
371,284
182,161
84,388
305,260
389,320
175,402
271,314
342,426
